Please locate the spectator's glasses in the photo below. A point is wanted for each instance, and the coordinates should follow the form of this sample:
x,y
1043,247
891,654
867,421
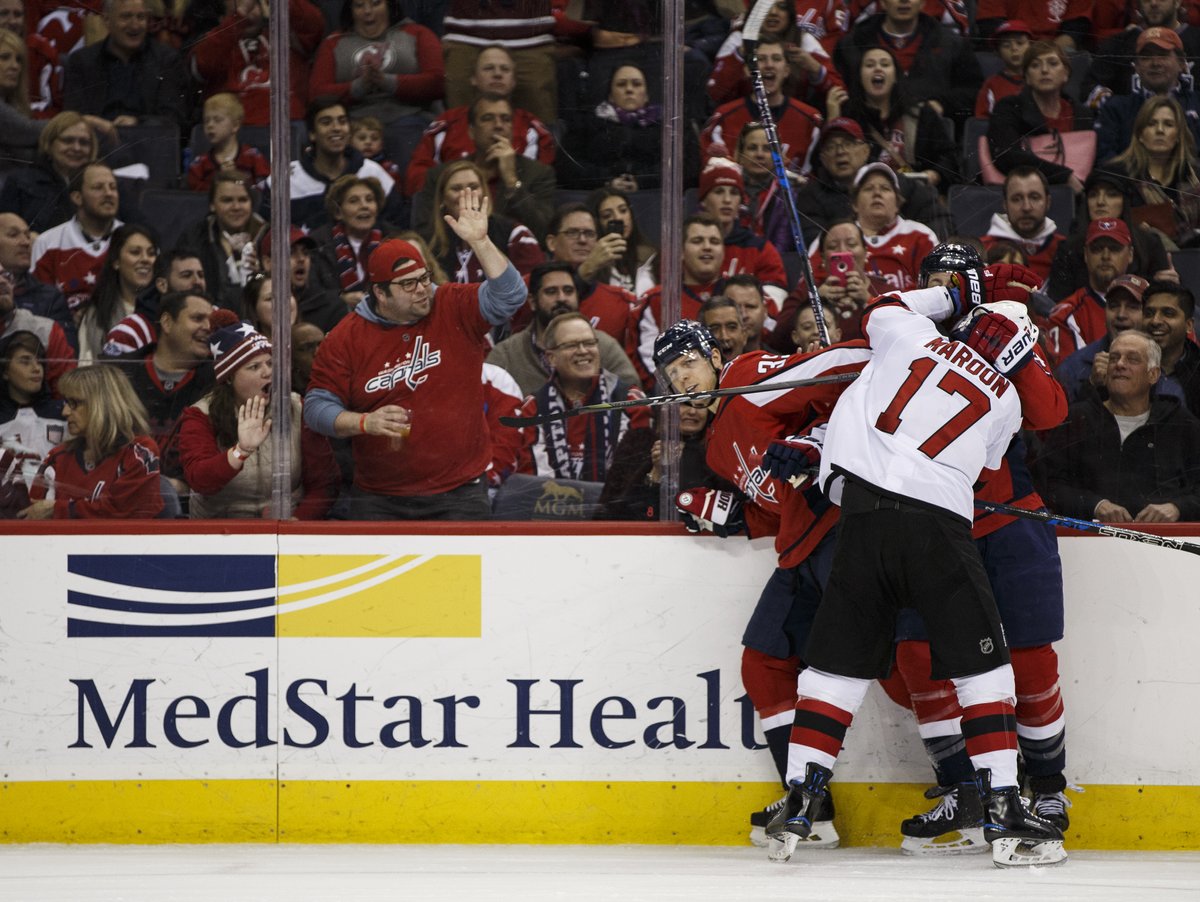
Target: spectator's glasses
x,y
73,403
410,285
576,234
570,347
832,146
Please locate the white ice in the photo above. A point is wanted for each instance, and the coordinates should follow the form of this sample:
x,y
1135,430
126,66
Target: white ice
x,y
328,873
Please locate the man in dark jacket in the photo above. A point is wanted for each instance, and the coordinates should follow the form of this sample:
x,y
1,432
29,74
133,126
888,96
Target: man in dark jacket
x,y
940,67
841,152
126,78
1110,72
1132,458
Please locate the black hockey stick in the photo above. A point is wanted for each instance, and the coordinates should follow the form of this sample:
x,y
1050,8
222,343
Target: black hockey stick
x,y
1104,529
681,398
750,33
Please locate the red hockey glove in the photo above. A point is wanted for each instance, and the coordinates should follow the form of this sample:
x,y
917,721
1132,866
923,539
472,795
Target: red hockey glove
x,y
711,510
794,459
1004,343
996,279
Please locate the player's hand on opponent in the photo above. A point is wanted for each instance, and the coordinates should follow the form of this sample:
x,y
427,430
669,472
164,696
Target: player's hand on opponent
x,y
711,510
1009,282
793,458
1004,343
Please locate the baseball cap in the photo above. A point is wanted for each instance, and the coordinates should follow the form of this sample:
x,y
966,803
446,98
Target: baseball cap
x,y
845,125
870,168
1135,285
392,259
295,235
1113,229
721,171
1012,26
1099,176
1162,38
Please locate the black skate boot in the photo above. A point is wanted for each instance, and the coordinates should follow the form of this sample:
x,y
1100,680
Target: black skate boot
x,y
823,836
1049,801
794,821
953,827
1019,837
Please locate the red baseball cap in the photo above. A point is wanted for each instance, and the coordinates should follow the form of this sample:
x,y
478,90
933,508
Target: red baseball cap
x,y
1112,229
842,124
393,259
1162,38
295,235
1012,26
1135,285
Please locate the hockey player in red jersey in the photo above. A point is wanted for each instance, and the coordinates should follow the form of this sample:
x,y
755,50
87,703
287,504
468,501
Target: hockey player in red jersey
x,y
901,453
802,521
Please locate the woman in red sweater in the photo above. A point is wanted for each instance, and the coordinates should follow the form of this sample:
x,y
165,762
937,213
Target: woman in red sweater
x,y
226,444
109,466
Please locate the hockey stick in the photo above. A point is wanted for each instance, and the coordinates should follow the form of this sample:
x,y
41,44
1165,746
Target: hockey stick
x,y
750,33
1104,529
681,398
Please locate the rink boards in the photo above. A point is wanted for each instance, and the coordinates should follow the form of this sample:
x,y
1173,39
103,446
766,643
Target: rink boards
x,y
325,686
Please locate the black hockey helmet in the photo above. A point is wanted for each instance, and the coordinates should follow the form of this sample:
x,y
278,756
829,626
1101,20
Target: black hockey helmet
x,y
950,257
686,335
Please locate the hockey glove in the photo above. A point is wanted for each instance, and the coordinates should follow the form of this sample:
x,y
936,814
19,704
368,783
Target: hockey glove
x,y
794,459
1004,343
996,279
711,510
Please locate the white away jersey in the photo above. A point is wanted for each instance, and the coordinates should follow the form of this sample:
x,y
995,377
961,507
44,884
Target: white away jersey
x,y
926,415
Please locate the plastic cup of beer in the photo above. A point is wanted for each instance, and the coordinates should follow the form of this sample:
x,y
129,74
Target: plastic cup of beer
x,y
398,441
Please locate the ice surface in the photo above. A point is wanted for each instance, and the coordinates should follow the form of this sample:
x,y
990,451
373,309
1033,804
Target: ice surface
x,y
295,873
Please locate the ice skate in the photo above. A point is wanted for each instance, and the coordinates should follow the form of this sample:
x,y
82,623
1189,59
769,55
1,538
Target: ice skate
x,y
795,819
823,836
1019,838
1049,801
952,827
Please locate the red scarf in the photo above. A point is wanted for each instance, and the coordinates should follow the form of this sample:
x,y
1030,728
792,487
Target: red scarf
x,y
348,264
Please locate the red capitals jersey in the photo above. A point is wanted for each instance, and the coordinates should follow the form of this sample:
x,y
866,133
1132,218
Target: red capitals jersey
x,y
1076,321
431,367
1043,406
745,425
746,252
649,322
123,485
798,125
1045,17
503,398
893,258
68,259
448,138
994,89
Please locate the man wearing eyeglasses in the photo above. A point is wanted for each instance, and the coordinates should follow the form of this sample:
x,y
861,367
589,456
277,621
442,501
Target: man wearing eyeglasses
x,y
554,288
400,377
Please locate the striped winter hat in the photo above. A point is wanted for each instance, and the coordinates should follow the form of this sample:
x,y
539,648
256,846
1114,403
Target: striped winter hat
x,y
233,343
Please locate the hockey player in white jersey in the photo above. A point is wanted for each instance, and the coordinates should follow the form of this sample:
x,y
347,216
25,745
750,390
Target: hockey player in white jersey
x,y
904,446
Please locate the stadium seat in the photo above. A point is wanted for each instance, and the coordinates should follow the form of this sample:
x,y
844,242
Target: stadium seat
x,y
973,130
157,147
1187,264
989,63
972,206
170,211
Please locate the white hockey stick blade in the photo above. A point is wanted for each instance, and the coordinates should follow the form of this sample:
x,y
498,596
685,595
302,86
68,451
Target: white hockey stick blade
x,y
824,836
957,842
782,845
1014,852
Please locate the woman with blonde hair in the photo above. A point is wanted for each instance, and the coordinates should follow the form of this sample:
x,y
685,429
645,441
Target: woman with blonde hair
x,y
455,257
109,466
20,132
1162,172
40,193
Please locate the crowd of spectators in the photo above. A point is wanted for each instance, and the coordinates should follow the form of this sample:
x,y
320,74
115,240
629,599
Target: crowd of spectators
x,y
450,159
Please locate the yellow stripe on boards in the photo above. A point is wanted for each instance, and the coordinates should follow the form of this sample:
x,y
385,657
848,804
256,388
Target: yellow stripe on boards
x,y
504,811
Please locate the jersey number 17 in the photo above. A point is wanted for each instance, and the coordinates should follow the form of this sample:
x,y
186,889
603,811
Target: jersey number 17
x,y
952,383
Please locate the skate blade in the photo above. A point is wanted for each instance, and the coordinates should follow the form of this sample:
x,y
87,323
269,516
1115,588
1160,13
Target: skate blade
x,y
1015,852
957,842
823,836
781,847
